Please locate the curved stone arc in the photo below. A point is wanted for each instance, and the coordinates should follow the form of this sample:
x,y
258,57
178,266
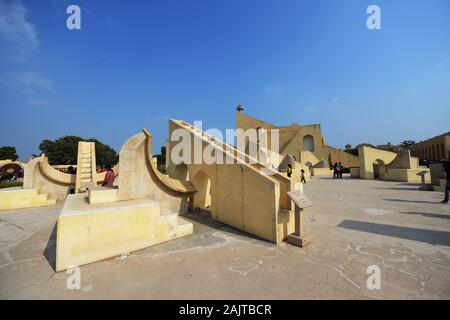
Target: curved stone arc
x,y
55,175
28,174
173,186
4,163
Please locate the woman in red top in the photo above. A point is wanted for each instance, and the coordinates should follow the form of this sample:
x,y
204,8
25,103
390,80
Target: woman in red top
x,y
109,177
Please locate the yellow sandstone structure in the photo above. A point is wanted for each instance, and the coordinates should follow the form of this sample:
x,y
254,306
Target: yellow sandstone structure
x,y
237,194
19,198
434,149
44,185
146,207
143,211
303,142
9,166
390,166
91,232
86,166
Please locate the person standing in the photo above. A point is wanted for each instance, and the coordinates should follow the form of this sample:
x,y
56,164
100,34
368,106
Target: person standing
x,y
109,177
447,185
71,170
335,171
341,170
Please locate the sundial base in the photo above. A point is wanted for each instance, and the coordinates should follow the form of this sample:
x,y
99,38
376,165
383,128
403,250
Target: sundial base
x,y
299,241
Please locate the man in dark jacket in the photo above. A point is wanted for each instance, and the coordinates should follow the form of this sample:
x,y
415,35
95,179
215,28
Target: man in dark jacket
x,y
447,185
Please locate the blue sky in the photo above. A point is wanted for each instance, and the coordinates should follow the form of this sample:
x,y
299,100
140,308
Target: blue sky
x,y
136,63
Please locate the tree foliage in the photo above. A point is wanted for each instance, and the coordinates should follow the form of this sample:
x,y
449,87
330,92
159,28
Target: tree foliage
x,y
407,143
8,153
65,150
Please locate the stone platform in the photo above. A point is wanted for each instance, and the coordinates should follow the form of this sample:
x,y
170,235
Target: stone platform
x,y
20,198
91,232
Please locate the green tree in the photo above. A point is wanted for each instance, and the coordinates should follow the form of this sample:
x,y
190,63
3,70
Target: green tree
x,y
65,150
8,153
407,143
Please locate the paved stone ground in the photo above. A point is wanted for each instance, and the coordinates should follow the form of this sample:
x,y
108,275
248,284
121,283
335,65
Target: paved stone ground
x,y
355,224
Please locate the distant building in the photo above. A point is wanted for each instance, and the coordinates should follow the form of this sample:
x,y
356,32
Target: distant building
x,y
434,149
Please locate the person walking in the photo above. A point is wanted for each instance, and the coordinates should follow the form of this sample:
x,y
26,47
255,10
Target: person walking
x,y
302,175
447,185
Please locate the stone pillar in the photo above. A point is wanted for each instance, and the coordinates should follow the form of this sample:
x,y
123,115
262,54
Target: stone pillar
x,y
298,238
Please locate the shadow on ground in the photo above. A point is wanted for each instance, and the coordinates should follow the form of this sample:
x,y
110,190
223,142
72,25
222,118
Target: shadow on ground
x,y
50,249
203,218
410,201
422,235
430,215
393,188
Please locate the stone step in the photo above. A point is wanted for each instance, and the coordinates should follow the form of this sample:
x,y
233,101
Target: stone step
x,y
41,197
184,227
170,221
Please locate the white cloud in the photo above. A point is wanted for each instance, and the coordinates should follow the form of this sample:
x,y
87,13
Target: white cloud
x,y
29,82
18,37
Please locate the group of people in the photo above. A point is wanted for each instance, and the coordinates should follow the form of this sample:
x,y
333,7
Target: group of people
x,y
338,170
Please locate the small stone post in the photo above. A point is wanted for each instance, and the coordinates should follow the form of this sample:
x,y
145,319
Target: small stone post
x,y
299,238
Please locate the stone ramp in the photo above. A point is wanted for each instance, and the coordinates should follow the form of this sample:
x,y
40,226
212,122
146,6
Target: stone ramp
x,y
244,193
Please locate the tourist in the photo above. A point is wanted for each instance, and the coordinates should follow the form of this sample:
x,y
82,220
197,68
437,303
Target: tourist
x,y
336,171
447,185
341,170
109,177
289,170
71,170
302,174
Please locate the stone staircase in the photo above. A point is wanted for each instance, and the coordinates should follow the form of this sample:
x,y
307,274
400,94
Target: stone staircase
x,y
86,166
